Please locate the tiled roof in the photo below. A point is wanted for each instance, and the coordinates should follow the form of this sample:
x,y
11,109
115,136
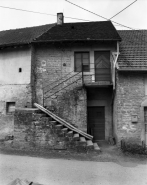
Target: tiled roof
x,y
103,30
133,49
22,35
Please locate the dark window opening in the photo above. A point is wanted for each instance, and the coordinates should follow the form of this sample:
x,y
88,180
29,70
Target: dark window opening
x,y
20,70
82,58
145,118
145,114
10,107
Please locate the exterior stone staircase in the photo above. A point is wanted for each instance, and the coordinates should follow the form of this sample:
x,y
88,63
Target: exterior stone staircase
x,y
42,130
72,135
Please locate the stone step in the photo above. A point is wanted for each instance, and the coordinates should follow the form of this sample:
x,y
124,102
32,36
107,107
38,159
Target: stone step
x,y
96,147
53,123
59,127
64,130
89,143
82,140
70,134
76,137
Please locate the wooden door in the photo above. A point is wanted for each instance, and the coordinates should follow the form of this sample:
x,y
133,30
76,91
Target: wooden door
x,y
145,122
102,66
96,122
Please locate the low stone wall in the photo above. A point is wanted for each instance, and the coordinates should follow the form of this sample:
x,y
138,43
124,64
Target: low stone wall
x,y
6,126
33,130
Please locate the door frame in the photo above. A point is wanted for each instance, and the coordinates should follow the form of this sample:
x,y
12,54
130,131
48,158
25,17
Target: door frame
x,y
144,124
95,63
89,132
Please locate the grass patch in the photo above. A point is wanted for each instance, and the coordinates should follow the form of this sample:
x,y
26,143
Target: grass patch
x,y
133,148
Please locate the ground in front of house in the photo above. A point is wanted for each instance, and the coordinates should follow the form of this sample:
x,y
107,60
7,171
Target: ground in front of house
x,y
110,167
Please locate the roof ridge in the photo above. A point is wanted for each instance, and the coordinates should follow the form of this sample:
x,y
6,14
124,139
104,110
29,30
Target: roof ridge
x,y
27,27
51,24
98,30
44,32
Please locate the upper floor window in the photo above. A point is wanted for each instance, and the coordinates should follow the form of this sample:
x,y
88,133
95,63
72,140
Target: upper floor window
x,y
82,58
102,66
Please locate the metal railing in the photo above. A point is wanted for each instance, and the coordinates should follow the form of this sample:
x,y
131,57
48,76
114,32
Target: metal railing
x,y
61,89
67,78
60,81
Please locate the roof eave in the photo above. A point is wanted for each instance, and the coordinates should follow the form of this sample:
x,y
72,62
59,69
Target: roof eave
x,y
69,40
14,44
126,69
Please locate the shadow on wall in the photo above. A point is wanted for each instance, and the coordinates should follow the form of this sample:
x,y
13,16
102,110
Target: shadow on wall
x,y
22,182
6,125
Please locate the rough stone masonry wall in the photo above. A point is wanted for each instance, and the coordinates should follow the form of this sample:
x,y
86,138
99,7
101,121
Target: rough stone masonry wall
x,y
21,95
15,85
53,63
33,131
130,93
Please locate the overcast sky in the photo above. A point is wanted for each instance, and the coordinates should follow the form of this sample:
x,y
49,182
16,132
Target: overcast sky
x,y
135,16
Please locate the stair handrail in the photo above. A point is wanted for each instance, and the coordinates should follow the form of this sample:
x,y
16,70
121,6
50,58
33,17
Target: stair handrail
x,y
63,122
58,79
61,78
62,88
61,82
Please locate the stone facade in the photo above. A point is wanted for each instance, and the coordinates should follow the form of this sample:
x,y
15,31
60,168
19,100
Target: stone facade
x,y
53,64
21,95
56,61
102,97
49,63
33,131
130,93
15,84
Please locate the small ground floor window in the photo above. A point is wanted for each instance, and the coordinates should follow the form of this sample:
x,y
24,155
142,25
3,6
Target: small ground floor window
x,y
10,107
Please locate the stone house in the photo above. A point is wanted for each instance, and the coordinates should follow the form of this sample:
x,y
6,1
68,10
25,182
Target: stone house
x,y
131,93
15,72
89,74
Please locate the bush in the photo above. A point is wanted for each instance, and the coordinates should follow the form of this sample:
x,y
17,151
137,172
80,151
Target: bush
x,y
133,148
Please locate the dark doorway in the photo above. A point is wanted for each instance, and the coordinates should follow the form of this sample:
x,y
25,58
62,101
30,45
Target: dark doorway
x,y
96,122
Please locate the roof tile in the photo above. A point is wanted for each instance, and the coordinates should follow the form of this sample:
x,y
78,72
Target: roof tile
x,y
103,30
22,35
133,49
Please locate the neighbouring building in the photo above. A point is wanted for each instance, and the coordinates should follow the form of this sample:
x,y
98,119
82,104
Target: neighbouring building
x,y
88,73
15,72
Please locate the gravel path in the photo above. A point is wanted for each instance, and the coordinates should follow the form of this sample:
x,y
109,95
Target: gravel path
x,y
70,172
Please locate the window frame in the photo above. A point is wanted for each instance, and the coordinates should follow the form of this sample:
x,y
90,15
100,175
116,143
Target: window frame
x,y
8,106
81,52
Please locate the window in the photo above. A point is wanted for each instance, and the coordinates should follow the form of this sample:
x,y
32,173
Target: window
x,y
20,70
145,114
82,58
145,118
102,66
10,107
